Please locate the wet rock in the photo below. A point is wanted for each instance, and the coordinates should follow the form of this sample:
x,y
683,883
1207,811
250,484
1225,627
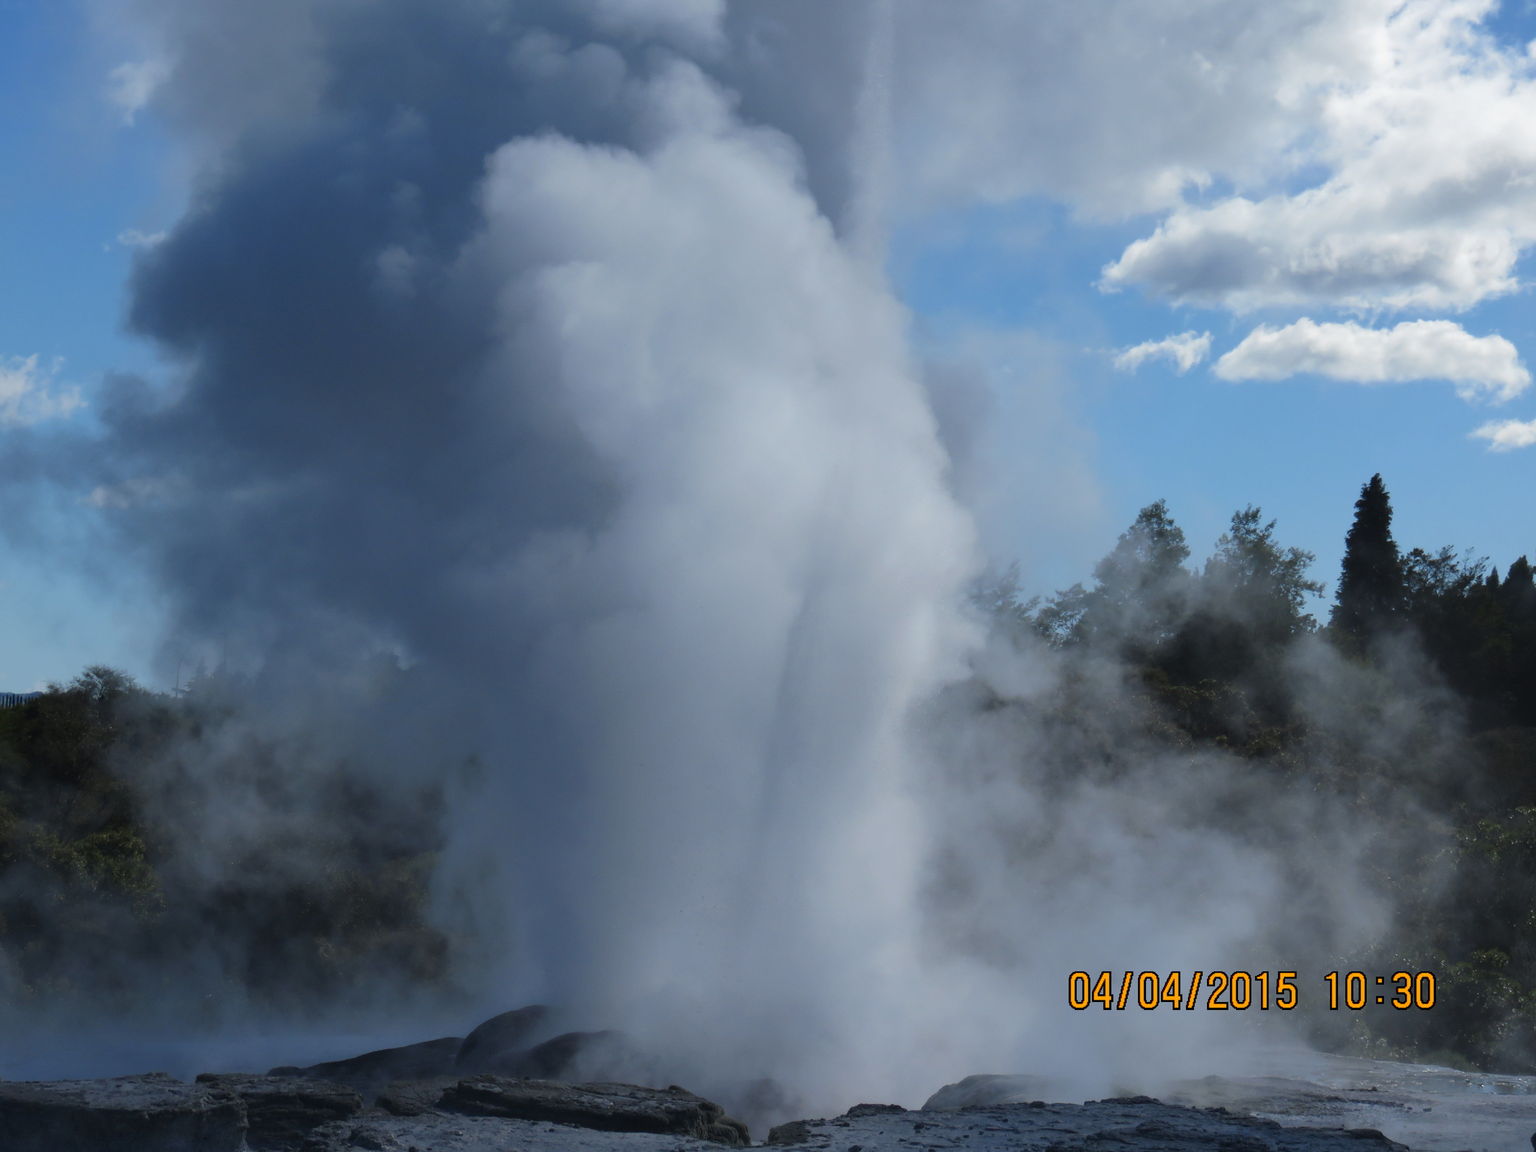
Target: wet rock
x,y
499,1037
606,1107
151,1113
280,1111
373,1071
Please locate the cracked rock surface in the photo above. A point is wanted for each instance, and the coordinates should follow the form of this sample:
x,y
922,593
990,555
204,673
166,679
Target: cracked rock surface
x,y
281,1111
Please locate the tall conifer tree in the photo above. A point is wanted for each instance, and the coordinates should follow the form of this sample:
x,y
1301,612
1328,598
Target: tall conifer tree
x,y
1519,587
1371,581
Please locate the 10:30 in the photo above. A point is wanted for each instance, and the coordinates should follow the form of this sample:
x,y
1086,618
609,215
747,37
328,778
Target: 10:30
x,y
1410,990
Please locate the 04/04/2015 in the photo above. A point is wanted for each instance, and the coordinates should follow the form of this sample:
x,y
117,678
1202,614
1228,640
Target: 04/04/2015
x,y
1221,991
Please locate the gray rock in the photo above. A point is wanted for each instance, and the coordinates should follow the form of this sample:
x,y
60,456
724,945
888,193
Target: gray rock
x,y
373,1071
1134,1124
872,1110
151,1113
792,1132
606,1107
500,1036
1425,1107
492,1114
444,1133
280,1110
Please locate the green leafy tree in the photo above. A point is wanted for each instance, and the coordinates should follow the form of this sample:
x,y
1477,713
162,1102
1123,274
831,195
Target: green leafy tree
x,y
1060,619
1371,592
1253,581
1251,600
1516,641
1461,620
1140,594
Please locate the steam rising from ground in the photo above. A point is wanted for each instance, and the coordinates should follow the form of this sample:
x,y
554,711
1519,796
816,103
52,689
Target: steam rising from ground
x,y
521,340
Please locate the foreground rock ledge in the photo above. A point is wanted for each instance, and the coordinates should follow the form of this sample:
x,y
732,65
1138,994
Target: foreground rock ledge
x,y
280,1112
444,1132
152,1113
494,1114
607,1107
236,1113
1131,1124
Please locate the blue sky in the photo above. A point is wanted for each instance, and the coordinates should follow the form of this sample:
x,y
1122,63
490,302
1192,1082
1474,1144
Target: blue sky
x,y
1008,284
1299,448
89,177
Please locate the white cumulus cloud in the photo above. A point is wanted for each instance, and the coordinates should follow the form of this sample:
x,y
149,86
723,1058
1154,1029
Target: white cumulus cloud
x,y
1507,435
29,394
1119,106
1425,195
1185,350
1481,367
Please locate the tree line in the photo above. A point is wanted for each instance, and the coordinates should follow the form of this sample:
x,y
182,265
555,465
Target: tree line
x,y
1425,728
123,893
1250,599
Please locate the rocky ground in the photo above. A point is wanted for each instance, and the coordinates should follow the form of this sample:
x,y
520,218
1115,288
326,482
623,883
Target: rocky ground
x,y
1131,1124
495,1091
1428,1108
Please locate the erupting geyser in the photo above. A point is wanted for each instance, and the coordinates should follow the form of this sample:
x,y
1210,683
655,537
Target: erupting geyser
x,y
547,348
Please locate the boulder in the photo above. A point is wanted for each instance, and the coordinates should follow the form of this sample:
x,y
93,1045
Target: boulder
x,y
280,1110
373,1071
151,1113
606,1107
500,1036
